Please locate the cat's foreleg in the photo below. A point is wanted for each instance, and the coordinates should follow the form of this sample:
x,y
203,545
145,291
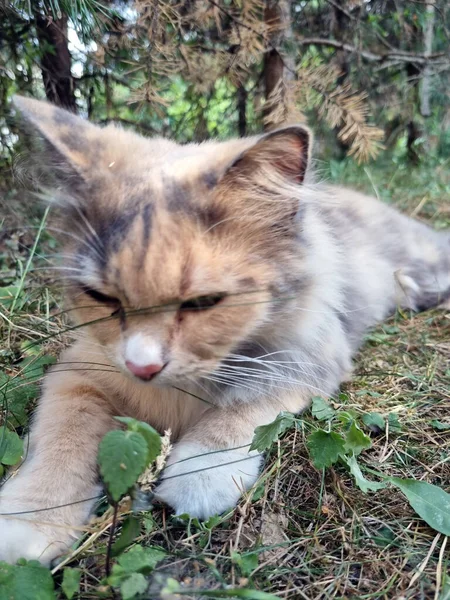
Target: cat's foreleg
x,y
211,466
60,470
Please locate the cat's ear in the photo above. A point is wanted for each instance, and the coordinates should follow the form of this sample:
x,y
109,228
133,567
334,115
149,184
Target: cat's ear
x,y
69,140
283,153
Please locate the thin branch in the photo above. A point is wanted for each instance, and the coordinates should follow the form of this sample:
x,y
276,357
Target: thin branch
x,y
397,55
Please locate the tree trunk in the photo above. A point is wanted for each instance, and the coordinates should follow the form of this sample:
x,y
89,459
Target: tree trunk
x,y
279,65
56,60
425,90
241,106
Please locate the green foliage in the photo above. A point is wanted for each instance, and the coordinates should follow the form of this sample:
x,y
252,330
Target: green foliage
x,y
429,501
374,421
172,588
130,530
247,563
356,440
150,435
321,410
133,585
26,581
122,456
131,568
11,447
344,442
265,435
71,582
325,448
364,484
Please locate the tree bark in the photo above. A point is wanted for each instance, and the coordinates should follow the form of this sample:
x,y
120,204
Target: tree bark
x,y
425,90
56,61
279,65
241,106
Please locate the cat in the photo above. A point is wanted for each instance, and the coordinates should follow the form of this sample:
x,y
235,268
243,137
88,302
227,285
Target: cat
x,y
262,282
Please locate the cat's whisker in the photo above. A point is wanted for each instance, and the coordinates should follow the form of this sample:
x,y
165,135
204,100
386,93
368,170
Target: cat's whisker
x,y
275,382
280,371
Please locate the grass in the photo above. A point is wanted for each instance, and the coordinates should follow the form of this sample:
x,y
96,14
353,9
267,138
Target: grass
x,y
304,533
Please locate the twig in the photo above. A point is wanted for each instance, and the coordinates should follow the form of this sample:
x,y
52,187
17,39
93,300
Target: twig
x,y
110,540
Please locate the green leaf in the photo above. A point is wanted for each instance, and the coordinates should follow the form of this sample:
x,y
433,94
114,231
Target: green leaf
x,y
364,484
321,410
71,582
11,447
394,424
356,440
131,528
325,447
374,421
141,559
149,523
122,456
265,435
246,562
439,425
133,585
33,367
430,502
150,435
27,581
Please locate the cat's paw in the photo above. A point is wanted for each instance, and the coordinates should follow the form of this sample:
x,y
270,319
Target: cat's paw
x,y
23,539
203,482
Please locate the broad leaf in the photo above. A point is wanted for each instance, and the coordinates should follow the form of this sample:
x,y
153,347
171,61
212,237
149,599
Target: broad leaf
x,y
131,528
356,440
265,435
364,484
141,559
394,424
28,581
11,447
150,435
71,582
321,410
325,447
133,585
374,421
122,456
429,501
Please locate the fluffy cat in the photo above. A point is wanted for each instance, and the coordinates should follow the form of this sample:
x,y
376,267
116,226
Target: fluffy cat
x,y
262,286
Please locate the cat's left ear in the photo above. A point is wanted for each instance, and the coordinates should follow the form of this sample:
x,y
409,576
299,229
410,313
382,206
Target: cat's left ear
x,y
283,153
72,143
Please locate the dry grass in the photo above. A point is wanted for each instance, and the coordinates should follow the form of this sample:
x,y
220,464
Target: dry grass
x,y
304,534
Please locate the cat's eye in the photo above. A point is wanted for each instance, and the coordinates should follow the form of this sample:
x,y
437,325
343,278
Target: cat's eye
x,y
202,302
100,297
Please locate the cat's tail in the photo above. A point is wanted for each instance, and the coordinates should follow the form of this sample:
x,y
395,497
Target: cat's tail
x,y
425,282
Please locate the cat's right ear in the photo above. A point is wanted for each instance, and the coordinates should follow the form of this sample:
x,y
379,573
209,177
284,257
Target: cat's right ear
x,y
71,143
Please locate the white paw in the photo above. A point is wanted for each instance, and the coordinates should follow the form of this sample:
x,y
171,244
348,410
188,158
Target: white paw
x,y
22,539
209,484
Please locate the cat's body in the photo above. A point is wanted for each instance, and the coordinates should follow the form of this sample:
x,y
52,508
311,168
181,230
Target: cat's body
x,y
277,280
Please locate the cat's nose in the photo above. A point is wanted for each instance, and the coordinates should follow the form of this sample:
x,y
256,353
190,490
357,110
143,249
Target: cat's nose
x,y
145,372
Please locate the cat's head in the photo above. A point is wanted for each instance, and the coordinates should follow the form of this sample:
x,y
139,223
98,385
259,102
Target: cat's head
x,y
177,255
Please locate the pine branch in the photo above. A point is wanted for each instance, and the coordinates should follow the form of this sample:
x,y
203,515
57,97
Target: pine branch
x,y
396,55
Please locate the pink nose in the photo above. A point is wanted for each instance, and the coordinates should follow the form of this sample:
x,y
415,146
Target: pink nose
x,y
145,372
